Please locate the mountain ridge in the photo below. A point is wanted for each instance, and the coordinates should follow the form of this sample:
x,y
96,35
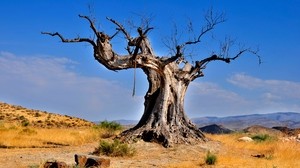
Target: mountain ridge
x,y
286,119
239,122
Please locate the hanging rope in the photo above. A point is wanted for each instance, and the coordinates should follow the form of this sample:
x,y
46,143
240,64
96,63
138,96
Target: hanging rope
x,y
134,79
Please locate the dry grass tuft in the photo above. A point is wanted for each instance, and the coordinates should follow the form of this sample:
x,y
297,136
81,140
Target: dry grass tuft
x,y
241,154
20,137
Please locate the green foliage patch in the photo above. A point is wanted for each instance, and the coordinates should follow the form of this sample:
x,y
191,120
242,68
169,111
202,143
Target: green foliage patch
x,y
210,158
110,125
115,149
262,138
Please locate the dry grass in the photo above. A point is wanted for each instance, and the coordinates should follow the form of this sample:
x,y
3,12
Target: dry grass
x,y
24,137
21,116
229,152
240,154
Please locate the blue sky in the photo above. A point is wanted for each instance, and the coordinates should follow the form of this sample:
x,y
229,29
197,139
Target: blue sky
x,y
40,72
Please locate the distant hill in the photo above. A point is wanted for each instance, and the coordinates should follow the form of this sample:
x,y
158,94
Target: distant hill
x,y
286,119
215,129
18,115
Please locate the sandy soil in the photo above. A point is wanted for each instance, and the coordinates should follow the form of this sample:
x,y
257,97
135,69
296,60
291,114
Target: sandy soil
x,y
19,158
148,155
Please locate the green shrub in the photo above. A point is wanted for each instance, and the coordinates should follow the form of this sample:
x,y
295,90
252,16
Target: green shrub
x,y
109,128
262,137
115,148
210,159
37,114
110,125
25,123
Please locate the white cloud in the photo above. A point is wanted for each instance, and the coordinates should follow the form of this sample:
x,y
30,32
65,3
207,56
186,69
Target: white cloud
x,y
269,95
48,83
247,95
210,99
278,88
245,81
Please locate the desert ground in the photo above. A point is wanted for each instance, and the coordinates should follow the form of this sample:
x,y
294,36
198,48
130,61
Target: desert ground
x,y
31,140
229,152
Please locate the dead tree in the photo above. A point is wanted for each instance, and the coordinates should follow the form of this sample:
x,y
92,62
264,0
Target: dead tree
x,y
164,120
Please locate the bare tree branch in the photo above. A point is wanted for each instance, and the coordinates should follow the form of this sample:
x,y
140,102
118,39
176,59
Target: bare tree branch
x,y
211,21
201,64
91,24
148,29
172,42
120,28
71,40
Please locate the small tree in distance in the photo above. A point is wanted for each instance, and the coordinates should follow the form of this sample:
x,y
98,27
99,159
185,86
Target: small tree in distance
x,y
164,120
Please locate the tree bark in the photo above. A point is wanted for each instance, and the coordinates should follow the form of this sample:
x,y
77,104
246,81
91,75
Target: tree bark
x,y
164,120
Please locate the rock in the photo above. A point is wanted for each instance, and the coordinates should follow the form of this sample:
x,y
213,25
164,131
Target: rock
x,y
245,139
215,129
55,164
91,161
298,137
259,156
257,129
285,130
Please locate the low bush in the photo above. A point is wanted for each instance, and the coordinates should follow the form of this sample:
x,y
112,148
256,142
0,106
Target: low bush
x,y
210,159
109,128
25,123
110,125
115,149
262,137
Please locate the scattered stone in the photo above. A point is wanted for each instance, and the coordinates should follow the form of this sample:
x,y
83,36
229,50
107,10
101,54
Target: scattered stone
x,y
245,139
55,164
259,156
89,161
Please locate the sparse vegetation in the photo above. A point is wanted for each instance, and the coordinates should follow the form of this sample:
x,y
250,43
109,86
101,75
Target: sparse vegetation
x,y
210,158
21,137
262,137
37,114
110,128
26,117
115,149
25,123
111,125
277,153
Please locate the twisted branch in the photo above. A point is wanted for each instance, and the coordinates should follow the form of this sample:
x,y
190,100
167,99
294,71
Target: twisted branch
x,y
75,40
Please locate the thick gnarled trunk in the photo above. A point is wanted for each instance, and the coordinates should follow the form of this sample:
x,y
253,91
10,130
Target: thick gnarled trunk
x,y
164,120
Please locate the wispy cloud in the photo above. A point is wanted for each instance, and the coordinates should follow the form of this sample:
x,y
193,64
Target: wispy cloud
x,y
269,94
211,99
278,88
246,95
50,83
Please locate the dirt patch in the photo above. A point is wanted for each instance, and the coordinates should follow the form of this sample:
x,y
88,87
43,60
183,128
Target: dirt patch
x,y
148,155
26,157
